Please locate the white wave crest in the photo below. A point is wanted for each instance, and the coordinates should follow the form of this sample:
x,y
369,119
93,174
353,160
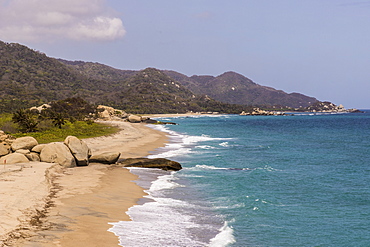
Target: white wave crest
x,y
224,238
224,144
164,182
205,167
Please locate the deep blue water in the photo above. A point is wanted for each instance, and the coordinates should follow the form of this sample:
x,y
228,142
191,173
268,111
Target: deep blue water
x,y
258,181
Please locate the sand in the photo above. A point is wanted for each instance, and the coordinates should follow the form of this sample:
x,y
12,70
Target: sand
x,y
42,204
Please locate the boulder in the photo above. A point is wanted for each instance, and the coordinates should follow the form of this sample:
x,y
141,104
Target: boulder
x,y
104,115
164,164
105,158
4,148
40,108
33,156
79,150
26,142
150,121
38,148
134,119
57,152
23,151
109,113
13,158
6,138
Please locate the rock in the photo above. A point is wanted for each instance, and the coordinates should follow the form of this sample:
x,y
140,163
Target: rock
x,y
40,108
4,148
164,164
6,138
259,112
134,119
105,158
57,152
38,148
79,150
109,113
150,121
13,159
27,142
104,115
23,151
33,157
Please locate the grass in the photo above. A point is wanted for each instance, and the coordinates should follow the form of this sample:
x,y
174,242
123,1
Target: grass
x,y
80,129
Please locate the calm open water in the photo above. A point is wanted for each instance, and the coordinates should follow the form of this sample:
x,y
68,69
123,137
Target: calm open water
x,y
257,181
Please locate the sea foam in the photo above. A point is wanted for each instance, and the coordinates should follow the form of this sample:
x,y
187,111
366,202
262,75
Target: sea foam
x,y
224,238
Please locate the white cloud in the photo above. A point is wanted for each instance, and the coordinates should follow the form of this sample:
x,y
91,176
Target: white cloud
x,y
40,20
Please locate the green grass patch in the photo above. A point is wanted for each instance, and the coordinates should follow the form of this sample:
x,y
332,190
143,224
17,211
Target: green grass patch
x,y
80,129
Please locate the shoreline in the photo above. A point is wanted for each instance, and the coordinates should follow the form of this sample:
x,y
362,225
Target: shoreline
x,y
79,203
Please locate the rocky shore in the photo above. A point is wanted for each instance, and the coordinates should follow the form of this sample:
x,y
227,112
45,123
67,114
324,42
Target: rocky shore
x,y
318,107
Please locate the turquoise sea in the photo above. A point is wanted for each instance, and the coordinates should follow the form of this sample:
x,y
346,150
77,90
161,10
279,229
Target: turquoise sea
x,y
301,180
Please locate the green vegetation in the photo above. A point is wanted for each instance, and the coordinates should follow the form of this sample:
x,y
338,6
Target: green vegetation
x,y
65,117
30,78
80,129
26,120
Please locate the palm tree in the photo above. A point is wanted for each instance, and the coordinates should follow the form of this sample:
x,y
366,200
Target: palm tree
x,y
59,120
26,120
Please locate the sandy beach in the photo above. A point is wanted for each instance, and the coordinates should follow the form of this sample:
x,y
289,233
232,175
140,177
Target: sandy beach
x,y
42,204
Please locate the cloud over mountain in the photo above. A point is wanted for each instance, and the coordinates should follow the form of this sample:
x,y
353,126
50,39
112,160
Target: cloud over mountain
x,y
34,20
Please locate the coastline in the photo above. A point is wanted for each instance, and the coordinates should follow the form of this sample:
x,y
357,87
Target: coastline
x,y
76,205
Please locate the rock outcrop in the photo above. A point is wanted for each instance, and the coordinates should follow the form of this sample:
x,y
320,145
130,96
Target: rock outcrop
x,y
164,164
328,107
70,153
4,149
26,142
33,157
134,119
260,112
40,108
105,158
109,113
17,150
57,152
79,150
13,158
38,148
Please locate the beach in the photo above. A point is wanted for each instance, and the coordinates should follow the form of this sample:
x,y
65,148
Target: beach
x,y
42,204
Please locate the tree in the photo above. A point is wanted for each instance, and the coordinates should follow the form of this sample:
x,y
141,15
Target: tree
x,y
26,120
58,120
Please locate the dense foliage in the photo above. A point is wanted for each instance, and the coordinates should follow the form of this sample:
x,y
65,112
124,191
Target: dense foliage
x,y
56,114
30,78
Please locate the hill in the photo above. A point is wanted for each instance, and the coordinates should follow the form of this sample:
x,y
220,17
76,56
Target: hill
x,y
235,88
29,78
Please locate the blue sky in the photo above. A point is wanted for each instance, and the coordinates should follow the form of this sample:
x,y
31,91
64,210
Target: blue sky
x,y
320,48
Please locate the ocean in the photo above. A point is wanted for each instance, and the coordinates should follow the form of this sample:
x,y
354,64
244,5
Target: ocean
x,y
301,180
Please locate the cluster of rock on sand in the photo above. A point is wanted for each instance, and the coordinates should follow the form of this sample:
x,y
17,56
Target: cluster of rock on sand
x,y
70,153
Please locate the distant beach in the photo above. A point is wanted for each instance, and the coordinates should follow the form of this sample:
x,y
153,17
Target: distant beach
x,y
42,204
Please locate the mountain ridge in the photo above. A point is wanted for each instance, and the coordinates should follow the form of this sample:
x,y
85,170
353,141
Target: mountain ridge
x,y
235,88
29,77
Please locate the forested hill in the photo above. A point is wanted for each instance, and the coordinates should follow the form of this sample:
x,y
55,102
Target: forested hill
x,y
29,78
235,88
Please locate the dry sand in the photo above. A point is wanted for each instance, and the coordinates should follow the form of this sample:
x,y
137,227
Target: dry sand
x,y
42,204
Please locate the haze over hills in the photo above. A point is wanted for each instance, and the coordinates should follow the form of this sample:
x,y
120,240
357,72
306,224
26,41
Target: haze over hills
x,y
29,78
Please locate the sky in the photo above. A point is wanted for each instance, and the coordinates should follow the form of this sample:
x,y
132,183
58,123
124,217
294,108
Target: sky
x,y
319,48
